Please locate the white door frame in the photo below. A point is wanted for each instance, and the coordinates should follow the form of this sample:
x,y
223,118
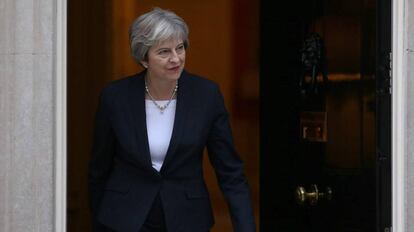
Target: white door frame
x,y
60,115
398,116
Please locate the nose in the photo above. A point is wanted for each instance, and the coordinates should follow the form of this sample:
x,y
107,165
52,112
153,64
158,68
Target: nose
x,y
174,57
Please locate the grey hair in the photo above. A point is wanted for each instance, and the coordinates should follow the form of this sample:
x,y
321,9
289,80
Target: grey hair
x,y
153,27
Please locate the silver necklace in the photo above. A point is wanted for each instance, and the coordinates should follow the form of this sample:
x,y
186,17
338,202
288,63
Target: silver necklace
x,y
160,107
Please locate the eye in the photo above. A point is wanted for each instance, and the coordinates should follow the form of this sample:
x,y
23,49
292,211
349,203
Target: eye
x,y
180,48
163,51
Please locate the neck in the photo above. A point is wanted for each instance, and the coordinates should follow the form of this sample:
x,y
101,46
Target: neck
x,y
160,89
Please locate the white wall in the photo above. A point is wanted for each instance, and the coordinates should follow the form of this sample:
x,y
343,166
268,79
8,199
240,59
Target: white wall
x,y
26,115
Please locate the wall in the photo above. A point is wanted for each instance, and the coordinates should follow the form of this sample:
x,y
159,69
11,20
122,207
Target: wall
x,y
26,115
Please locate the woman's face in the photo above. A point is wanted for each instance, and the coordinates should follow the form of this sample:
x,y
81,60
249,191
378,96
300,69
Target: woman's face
x,y
165,60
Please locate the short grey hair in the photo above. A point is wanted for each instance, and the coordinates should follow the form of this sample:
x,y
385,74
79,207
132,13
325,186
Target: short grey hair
x,y
153,27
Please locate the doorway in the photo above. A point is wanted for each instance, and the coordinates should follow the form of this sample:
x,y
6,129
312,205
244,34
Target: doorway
x,y
326,143
98,52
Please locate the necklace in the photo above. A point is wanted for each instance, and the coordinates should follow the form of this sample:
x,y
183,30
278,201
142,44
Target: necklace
x,y
160,107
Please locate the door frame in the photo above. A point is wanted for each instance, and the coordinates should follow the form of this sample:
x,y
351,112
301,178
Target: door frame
x,y
60,106
398,118
398,115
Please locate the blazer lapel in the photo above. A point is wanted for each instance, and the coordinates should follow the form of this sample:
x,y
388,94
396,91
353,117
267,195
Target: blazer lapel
x,y
136,100
179,120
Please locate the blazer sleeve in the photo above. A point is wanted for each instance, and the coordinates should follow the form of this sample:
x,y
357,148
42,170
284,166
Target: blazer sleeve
x,y
229,169
101,160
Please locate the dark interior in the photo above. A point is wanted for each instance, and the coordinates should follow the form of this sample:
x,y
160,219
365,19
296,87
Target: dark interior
x,y
320,123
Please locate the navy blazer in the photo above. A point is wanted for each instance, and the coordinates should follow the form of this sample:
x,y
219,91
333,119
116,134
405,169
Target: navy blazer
x,y
122,181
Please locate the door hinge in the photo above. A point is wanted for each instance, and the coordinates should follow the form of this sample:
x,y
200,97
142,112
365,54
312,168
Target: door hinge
x,y
390,74
385,74
382,157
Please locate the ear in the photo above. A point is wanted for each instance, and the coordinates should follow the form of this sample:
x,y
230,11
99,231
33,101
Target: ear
x,y
144,64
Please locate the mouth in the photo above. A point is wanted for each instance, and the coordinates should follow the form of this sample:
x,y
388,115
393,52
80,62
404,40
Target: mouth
x,y
176,68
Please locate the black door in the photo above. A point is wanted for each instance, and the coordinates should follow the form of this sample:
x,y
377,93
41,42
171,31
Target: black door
x,y
325,116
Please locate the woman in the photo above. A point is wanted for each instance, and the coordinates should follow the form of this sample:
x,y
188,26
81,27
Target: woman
x,y
151,129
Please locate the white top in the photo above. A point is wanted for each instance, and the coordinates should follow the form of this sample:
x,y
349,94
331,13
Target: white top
x,y
159,130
